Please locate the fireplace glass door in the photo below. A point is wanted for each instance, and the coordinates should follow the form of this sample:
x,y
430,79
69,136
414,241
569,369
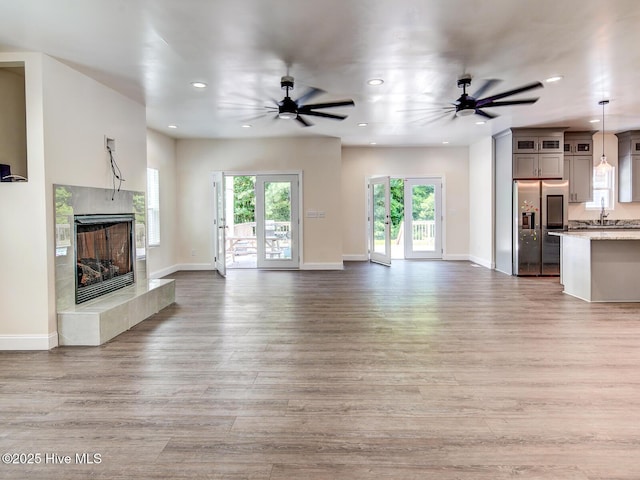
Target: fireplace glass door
x,y
104,254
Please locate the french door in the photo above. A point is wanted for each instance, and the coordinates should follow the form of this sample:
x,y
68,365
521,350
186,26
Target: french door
x,y
219,223
380,220
277,221
423,218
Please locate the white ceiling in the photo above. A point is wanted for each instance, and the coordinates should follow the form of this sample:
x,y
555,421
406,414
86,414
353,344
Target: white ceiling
x,y
151,50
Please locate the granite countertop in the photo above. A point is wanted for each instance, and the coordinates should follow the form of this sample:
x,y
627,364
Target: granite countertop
x,y
615,234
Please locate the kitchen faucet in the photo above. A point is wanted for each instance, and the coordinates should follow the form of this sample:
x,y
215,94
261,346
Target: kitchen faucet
x,y
602,214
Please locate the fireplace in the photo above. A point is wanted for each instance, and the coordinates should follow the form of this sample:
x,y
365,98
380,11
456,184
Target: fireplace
x,y
104,254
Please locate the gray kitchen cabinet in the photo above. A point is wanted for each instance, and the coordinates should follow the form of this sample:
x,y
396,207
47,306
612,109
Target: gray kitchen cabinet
x,y
578,169
629,166
578,165
532,165
551,143
537,153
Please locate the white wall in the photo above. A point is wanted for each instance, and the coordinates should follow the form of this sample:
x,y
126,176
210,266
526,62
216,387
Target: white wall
x,y
161,154
481,178
451,163
319,160
68,115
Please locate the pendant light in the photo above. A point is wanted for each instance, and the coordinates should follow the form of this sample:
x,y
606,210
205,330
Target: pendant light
x,y
603,167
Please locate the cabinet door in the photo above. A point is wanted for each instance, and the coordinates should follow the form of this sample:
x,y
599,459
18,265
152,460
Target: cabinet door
x,y
582,147
550,144
581,181
525,165
635,178
525,144
550,165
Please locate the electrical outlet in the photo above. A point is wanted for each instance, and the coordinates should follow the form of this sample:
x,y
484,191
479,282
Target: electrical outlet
x,y
193,253
109,143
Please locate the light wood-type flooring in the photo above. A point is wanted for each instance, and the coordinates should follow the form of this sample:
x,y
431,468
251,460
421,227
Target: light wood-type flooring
x,y
425,370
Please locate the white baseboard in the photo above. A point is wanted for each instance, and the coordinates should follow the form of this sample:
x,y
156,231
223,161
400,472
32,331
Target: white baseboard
x,y
195,266
164,272
481,261
29,342
322,266
456,257
355,258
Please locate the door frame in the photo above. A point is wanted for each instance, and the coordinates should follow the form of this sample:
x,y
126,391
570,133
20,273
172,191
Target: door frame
x,y
263,262
438,251
300,174
443,204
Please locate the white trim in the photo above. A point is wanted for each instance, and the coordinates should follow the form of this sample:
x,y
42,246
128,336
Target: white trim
x,y
322,266
165,271
355,257
195,266
482,262
29,342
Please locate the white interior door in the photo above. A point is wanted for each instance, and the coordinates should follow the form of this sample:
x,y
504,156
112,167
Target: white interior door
x,y
219,224
277,221
423,218
380,220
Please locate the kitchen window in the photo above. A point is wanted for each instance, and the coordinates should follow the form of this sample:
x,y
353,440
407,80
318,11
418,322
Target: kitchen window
x,y
603,190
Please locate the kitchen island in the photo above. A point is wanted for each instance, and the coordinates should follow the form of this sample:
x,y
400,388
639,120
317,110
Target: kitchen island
x,y
600,265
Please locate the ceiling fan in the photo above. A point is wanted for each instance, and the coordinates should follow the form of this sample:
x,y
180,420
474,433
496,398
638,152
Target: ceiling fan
x,y
467,104
471,104
288,108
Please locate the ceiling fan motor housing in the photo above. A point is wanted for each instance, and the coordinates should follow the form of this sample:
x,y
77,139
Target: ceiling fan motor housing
x,y
286,82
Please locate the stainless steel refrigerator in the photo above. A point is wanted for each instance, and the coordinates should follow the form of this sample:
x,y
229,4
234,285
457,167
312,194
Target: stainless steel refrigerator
x,y
539,207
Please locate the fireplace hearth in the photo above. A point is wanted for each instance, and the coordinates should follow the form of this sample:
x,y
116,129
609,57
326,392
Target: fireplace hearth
x,y
104,253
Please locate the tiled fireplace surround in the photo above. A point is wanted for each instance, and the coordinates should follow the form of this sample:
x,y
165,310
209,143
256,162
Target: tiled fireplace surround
x,y
101,319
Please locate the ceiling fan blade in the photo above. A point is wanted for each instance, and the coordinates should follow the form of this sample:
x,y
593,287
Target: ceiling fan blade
x,y
325,115
531,86
308,95
486,86
305,123
525,101
434,117
342,103
485,114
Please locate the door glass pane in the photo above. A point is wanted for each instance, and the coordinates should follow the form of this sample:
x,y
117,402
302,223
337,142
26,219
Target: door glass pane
x,y
423,225
379,218
277,220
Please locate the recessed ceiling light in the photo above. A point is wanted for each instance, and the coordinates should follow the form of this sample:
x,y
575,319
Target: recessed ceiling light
x,y
480,122
372,143
198,85
555,78
172,126
445,142
363,124
246,125
595,120
375,81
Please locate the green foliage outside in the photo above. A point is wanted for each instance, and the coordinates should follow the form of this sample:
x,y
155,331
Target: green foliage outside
x,y
277,200
244,199
423,206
